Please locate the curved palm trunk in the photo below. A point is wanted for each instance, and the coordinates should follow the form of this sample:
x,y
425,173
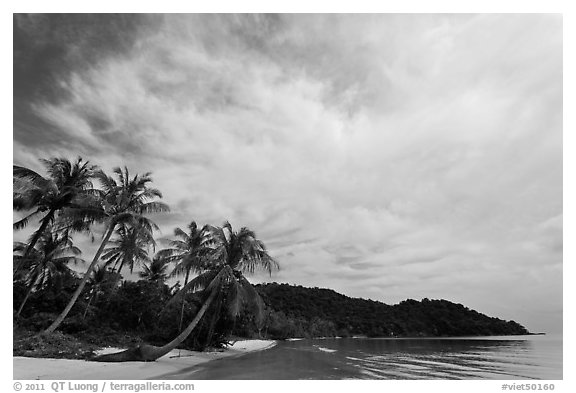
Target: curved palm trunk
x,y
28,292
149,353
45,221
72,301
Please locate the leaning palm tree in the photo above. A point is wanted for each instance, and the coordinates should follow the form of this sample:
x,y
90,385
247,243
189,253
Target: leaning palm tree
x,y
222,282
68,186
48,259
155,272
187,251
123,202
129,248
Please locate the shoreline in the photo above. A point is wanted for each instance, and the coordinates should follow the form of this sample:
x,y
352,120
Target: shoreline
x,y
175,362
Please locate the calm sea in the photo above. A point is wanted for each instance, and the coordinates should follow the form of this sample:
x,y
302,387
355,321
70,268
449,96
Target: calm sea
x,y
510,357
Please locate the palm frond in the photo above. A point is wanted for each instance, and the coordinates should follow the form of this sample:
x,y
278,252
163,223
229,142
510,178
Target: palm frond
x,y
110,253
258,260
29,175
179,245
70,259
253,299
147,195
168,254
179,270
180,233
153,207
200,282
107,183
26,198
236,297
24,221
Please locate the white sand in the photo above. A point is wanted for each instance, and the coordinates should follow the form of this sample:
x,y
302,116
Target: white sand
x,y
25,368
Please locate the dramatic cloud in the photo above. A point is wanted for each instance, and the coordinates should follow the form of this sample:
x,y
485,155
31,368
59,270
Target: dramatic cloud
x,y
384,156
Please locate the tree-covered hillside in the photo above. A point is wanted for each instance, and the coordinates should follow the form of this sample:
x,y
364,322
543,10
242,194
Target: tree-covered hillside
x,y
296,311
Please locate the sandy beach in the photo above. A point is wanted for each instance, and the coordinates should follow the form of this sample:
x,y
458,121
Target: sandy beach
x,y
173,363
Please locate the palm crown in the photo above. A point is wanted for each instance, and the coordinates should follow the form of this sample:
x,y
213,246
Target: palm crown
x,y
129,248
122,202
188,250
65,182
156,271
67,187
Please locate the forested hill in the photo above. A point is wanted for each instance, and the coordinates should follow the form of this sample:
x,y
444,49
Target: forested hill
x,y
296,311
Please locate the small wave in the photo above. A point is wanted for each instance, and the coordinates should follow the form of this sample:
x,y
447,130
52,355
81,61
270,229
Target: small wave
x,y
327,349
294,339
371,374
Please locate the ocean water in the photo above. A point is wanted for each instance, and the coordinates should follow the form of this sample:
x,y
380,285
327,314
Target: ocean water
x,y
509,357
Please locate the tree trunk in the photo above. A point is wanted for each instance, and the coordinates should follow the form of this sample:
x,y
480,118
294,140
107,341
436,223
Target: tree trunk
x,y
88,306
149,353
72,301
183,301
45,221
121,266
30,287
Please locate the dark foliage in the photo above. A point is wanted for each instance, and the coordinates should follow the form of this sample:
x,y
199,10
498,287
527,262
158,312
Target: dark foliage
x,y
295,311
124,314
47,301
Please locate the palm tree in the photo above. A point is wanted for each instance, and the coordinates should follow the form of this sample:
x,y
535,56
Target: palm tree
x,y
222,282
129,248
50,258
101,281
68,186
187,251
156,272
122,203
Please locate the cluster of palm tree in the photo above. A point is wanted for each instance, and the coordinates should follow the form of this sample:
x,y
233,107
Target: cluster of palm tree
x,y
211,259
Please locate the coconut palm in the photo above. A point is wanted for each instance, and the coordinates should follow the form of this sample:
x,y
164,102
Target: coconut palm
x,y
129,248
68,186
122,203
222,282
48,259
156,271
187,251
100,282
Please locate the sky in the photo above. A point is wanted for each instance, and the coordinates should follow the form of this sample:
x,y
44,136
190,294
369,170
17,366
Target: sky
x,y
385,156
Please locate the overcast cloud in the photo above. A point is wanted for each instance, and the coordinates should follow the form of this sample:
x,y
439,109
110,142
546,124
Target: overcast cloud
x,y
383,156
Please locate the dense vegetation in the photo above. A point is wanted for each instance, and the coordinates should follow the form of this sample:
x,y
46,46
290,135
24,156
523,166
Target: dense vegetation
x,y
295,311
114,313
